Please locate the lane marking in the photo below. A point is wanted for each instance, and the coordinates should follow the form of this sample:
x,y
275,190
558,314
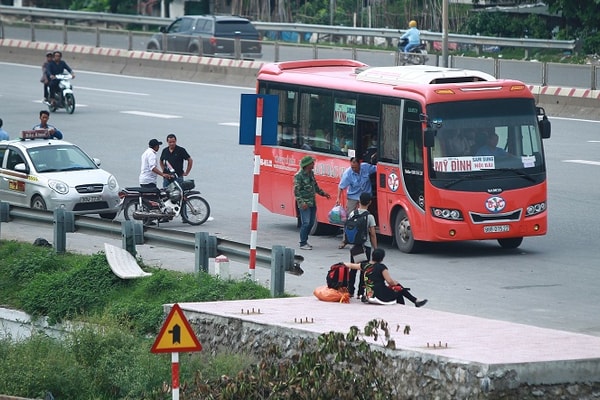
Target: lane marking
x,y
77,105
148,114
236,124
583,162
112,91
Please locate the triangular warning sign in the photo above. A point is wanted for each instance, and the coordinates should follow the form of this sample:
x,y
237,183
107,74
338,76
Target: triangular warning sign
x,y
176,334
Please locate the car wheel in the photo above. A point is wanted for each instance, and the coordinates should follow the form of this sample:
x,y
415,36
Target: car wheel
x,y
38,203
152,47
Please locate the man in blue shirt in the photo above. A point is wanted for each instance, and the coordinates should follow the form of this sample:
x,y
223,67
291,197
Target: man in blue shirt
x,y
355,180
490,148
44,117
412,35
3,133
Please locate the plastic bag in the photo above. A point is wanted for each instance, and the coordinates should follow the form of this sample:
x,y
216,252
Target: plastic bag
x,y
324,293
337,215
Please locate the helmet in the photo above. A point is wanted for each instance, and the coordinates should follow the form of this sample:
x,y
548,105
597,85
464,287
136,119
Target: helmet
x,y
412,24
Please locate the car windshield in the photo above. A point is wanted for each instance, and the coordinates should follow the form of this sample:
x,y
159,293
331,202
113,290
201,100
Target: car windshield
x,y
60,158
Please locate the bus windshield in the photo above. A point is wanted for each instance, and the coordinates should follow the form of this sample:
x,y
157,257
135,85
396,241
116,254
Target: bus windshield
x,y
485,138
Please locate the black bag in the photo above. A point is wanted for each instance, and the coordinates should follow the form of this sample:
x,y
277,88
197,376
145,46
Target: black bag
x,y
356,227
337,276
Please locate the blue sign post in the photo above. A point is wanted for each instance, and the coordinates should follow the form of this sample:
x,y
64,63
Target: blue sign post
x,y
248,119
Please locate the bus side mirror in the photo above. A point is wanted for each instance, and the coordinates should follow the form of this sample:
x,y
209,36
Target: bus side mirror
x,y
429,137
544,123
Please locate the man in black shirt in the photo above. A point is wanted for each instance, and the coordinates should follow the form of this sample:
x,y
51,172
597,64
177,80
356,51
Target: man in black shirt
x,y
172,157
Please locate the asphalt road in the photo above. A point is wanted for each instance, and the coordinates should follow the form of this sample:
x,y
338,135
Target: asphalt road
x,y
549,281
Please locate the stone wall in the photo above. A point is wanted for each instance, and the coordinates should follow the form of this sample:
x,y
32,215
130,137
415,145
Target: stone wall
x,y
415,375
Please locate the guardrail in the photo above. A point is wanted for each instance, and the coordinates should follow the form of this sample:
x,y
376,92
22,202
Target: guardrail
x,y
279,259
32,13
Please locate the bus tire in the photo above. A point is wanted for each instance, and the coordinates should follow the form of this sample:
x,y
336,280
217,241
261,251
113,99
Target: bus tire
x,y
403,235
510,243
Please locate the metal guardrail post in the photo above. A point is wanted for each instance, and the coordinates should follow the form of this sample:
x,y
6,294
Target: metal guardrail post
x,y
276,58
354,53
496,68
278,254
315,52
594,80
163,40
544,74
97,37
202,252
130,40
1,30
200,47
4,214
65,34
32,26
237,45
60,235
128,236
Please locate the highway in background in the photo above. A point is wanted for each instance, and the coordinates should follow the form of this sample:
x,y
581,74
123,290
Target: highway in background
x,y
530,72
549,281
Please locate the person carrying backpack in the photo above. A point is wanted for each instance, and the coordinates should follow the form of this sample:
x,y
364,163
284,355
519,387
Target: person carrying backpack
x,y
380,284
355,180
359,230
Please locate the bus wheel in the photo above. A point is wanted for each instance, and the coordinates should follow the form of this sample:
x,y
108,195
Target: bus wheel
x,y
319,228
510,243
403,234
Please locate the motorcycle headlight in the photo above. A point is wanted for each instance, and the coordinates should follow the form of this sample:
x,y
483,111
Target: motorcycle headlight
x,y
58,186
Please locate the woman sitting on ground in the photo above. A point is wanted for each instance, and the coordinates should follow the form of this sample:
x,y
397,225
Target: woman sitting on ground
x,y
380,284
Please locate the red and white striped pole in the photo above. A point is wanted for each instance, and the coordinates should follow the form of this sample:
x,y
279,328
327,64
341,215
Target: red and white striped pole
x,y
254,221
175,375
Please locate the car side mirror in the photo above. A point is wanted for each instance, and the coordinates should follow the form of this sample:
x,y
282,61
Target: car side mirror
x,y
545,127
21,167
97,161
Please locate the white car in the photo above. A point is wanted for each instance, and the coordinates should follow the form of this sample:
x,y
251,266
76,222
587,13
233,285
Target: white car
x,y
47,174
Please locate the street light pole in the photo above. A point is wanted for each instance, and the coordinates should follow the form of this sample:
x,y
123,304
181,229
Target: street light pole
x,y
445,33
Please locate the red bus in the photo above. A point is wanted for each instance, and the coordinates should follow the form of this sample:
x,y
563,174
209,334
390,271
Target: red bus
x,y
435,181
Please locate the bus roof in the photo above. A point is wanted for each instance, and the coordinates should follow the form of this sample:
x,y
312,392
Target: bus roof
x,y
336,74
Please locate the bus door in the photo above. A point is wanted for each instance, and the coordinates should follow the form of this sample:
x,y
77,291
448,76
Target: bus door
x,y
412,154
367,144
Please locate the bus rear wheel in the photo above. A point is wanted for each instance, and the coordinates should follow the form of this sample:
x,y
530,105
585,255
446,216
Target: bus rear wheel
x,y
403,234
510,243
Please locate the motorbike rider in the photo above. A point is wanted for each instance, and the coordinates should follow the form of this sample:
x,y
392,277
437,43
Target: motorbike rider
x,y
412,35
44,78
44,117
56,67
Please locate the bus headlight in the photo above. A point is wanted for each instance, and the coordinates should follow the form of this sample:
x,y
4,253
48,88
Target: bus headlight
x,y
447,213
535,209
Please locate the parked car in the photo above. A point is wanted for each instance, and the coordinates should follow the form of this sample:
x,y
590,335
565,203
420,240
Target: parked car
x,y
45,174
212,35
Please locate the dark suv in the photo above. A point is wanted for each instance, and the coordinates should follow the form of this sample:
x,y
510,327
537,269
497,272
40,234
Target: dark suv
x,y
209,35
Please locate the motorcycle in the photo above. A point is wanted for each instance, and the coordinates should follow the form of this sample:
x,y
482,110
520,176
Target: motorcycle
x,y
164,204
417,55
64,97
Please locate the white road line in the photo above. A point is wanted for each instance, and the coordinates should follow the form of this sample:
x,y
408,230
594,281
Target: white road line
x,y
148,114
583,162
77,105
236,124
112,91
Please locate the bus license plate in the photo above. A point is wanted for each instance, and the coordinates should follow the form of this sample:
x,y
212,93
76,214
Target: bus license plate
x,y
496,228
90,199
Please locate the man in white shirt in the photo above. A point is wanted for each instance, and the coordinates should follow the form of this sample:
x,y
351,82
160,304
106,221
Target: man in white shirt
x,y
150,168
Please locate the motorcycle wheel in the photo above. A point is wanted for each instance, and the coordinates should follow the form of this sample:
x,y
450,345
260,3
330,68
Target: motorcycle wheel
x,y
195,210
133,205
70,103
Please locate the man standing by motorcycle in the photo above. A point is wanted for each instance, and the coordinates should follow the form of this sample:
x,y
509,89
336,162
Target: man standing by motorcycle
x,y
150,170
412,36
56,67
172,158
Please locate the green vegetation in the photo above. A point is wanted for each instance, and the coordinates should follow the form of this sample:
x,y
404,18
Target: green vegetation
x,y
107,355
